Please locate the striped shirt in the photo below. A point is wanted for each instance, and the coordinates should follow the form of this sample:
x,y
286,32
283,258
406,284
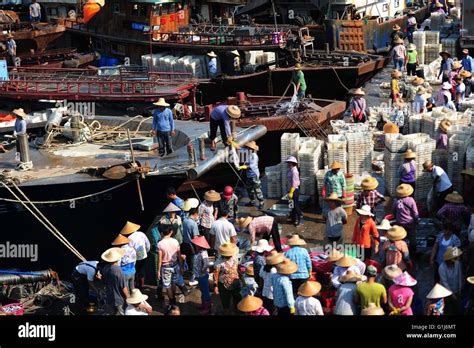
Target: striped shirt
x,y
457,214
206,215
261,225
300,256
282,291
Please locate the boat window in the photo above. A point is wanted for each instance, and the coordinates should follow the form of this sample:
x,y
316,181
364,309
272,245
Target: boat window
x,y
116,8
139,10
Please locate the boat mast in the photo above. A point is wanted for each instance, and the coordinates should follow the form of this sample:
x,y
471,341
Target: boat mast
x,y
274,16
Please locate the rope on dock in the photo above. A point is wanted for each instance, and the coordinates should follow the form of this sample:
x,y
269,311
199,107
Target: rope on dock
x,y
43,220
67,200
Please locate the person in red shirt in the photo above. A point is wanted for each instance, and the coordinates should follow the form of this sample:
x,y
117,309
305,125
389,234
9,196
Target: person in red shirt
x,y
365,232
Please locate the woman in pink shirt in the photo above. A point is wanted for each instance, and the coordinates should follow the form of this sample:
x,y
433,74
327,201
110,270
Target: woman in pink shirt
x,y
400,295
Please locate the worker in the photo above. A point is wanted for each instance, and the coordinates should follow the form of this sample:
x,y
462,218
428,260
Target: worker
x,y
212,64
11,50
163,125
467,61
467,79
397,33
444,92
460,91
294,190
20,125
395,86
455,71
369,195
334,181
446,65
230,202
419,104
397,116
35,12
441,8
442,186
252,177
412,60
299,80
399,54
449,104
359,106
411,26
236,68
220,117
407,169
442,139
83,277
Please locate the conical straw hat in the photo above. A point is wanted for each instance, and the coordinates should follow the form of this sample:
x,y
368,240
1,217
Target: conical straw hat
x,y
249,304
391,272
274,258
438,291
287,267
121,240
112,255
295,240
369,183
129,228
171,208
346,261
396,233
212,196
309,288
228,249
404,190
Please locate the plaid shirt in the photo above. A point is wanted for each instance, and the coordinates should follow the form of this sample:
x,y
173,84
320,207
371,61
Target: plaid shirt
x,y
300,256
457,214
370,198
261,225
282,291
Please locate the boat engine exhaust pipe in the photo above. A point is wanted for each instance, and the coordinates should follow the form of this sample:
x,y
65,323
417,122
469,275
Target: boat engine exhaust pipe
x,y
250,134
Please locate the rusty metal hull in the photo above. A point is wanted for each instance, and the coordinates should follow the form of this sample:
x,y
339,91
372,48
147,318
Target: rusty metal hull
x,y
37,39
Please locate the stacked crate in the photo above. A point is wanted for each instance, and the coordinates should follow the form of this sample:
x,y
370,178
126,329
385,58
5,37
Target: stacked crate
x,y
419,39
432,52
414,123
310,158
437,21
424,152
359,153
320,183
470,154
440,158
274,179
456,159
449,44
432,37
337,150
289,145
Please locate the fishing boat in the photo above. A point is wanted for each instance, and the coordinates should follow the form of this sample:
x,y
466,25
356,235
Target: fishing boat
x,y
329,75
89,187
57,58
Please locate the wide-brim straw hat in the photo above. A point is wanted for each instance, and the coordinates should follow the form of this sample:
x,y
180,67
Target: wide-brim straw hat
x,y
438,291
438,4
112,255
235,52
291,159
365,211
262,246
405,279
129,228
398,41
391,272
212,196
350,277
404,190
20,113
274,258
334,255
190,203
446,86
470,280
454,198
252,145
295,240
369,183
411,47
333,197
309,288
445,53
457,65
249,304
161,102
409,154
465,74
201,242
391,128
396,233
346,261
384,225
336,165
171,208
421,90
452,253
297,66
358,91
243,222
249,270
212,54
287,267
396,73
372,309
121,240
396,27
444,125
418,81
228,249
136,297
465,51
233,111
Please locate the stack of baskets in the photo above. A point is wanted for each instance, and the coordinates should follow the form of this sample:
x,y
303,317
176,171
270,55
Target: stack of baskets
x,y
432,37
419,39
456,160
348,201
320,183
289,145
337,145
359,152
273,175
432,52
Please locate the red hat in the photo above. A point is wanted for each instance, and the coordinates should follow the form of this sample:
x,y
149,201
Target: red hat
x,y
228,192
200,241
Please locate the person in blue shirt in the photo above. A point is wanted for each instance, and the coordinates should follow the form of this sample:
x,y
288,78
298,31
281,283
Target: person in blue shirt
x,y
177,201
20,125
252,177
220,118
163,125
299,255
212,64
190,231
283,297
467,61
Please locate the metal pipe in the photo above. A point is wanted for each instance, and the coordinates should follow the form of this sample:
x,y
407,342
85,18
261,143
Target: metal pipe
x,y
203,167
202,149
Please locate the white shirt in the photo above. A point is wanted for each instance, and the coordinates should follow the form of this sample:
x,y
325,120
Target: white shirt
x,y
461,89
132,310
141,244
419,104
35,10
308,306
267,290
88,268
222,229
444,183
